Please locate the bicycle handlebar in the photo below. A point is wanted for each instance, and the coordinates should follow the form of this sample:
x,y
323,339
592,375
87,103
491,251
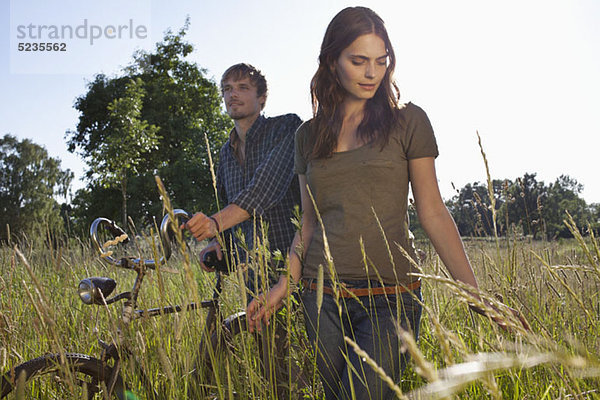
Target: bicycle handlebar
x,y
165,231
166,227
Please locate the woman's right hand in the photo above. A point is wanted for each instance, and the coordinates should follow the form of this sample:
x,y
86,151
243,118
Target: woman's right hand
x,y
503,323
261,308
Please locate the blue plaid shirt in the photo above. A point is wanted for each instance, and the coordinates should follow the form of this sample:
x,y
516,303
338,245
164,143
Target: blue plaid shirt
x,y
265,186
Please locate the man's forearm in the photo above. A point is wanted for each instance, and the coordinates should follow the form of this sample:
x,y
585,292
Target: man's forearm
x,y
230,216
204,227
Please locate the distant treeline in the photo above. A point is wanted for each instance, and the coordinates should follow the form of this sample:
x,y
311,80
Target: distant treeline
x,y
523,207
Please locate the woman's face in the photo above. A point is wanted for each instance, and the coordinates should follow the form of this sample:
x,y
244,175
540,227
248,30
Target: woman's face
x,y
361,67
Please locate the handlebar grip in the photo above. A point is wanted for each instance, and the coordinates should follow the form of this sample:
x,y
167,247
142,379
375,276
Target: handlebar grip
x,y
211,260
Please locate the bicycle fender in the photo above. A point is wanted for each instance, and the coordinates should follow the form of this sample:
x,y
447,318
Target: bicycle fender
x,y
236,323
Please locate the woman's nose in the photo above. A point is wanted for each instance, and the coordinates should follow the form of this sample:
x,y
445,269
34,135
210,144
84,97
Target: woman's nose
x,y
370,71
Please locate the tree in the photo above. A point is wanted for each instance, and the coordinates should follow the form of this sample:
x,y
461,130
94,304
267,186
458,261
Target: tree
x,y
121,153
538,209
470,209
526,199
183,104
563,196
594,212
29,180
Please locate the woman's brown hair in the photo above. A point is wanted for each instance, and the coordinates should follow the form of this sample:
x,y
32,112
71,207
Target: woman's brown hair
x,y
327,93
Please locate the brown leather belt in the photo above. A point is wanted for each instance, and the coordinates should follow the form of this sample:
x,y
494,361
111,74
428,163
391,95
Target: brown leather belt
x,y
347,292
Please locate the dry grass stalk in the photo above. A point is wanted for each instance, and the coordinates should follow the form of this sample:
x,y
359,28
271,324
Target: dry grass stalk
x,y
422,366
106,254
567,288
481,365
366,358
189,274
4,357
320,288
40,304
387,245
490,192
41,316
455,377
595,243
46,316
444,336
570,223
115,241
580,268
328,257
409,258
496,311
166,365
36,282
211,167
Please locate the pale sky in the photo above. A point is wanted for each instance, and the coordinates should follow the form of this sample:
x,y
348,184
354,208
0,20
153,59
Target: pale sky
x,y
525,74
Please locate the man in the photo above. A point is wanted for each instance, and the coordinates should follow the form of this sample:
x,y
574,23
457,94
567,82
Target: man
x,y
255,179
256,185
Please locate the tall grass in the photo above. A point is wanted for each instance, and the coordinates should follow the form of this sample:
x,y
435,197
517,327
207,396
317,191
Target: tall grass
x,y
554,284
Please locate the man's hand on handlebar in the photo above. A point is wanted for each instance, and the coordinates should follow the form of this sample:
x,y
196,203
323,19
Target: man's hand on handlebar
x,y
201,226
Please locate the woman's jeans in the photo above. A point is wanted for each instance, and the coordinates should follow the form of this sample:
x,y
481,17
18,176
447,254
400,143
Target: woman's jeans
x,y
371,322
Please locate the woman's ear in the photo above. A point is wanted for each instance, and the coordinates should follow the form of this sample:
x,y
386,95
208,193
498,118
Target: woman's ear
x,y
332,67
333,70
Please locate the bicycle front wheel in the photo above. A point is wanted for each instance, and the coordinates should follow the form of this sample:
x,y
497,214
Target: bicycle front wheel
x,y
52,376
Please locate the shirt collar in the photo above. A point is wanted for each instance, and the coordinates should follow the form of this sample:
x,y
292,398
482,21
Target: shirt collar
x,y
234,138
256,127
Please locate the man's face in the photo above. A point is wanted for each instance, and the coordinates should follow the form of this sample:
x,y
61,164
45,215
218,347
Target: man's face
x,y
241,99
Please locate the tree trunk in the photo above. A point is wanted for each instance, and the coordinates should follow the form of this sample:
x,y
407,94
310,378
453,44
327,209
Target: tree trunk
x,y
124,203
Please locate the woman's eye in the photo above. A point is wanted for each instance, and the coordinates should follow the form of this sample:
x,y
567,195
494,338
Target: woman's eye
x,y
357,62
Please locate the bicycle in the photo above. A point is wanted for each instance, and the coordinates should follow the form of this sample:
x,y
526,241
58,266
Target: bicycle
x,y
101,377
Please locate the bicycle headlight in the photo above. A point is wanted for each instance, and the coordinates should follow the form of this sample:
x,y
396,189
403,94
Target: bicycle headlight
x,y
95,290
86,291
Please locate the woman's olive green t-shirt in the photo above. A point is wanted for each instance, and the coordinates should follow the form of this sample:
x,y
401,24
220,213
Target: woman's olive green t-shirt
x,y
363,194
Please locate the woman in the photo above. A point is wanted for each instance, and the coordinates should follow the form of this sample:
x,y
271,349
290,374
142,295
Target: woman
x,y
356,158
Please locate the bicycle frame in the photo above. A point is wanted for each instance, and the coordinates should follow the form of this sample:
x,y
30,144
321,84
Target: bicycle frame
x,y
129,312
